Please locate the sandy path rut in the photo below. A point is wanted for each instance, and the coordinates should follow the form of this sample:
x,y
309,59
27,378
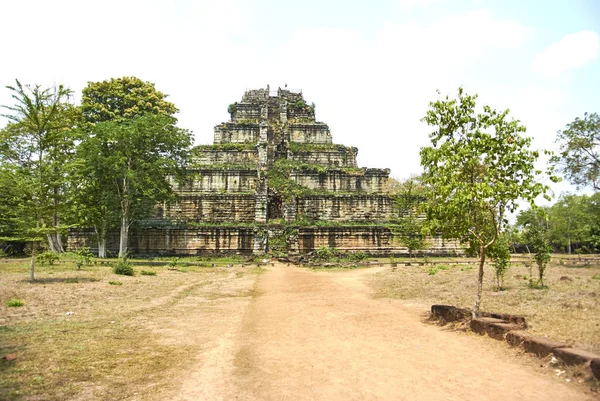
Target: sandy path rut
x,y
319,336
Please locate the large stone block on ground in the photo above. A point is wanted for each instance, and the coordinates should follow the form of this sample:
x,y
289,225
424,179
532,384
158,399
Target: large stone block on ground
x,y
481,325
518,320
450,313
541,346
499,331
595,367
574,356
516,337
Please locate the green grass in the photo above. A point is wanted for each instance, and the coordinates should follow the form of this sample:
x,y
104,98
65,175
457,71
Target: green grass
x,y
115,283
147,273
14,303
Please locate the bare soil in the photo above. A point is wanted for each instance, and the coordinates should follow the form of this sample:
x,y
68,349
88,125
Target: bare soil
x,y
232,333
320,335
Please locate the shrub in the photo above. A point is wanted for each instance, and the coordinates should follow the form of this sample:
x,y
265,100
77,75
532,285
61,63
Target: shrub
x,y
47,257
358,256
432,271
115,283
85,256
500,256
325,253
14,303
123,268
147,273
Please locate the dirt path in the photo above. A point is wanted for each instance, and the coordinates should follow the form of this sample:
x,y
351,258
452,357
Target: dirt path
x,y
318,335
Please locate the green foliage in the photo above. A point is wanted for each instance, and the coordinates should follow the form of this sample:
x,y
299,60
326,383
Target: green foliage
x,y
579,157
500,257
129,163
148,273
14,303
123,98
325,253
47,258
115,283
85,255
476,170
173,262
596,277
535,225
123,268
232,108
432,271
408,221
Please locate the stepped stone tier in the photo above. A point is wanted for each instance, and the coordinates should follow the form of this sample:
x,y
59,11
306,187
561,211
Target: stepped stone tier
x,y
272,181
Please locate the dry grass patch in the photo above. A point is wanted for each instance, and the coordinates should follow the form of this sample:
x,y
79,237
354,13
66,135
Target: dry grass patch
x,y
568,310
78,335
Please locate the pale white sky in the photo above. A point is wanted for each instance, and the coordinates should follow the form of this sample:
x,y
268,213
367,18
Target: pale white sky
x,y
371,67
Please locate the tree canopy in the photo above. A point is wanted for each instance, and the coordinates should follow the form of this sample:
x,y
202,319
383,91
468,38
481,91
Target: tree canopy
x,y
123,98
476,170
579,157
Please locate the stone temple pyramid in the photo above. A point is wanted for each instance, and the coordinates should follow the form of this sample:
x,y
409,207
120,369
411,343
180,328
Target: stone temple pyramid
x,y
273,181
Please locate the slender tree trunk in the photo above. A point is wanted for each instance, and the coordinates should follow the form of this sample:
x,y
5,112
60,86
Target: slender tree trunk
x,y
101,235
569,236
124,237
55,243
476,313
32,265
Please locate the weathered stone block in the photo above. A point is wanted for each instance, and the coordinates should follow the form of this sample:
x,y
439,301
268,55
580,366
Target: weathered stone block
x,y
518,320
481,325
499,331
345,207
595,367
450,313
574,356
516,337
541,346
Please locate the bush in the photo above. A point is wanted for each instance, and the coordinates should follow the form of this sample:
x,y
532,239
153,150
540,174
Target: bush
x,y
14,303
147,273
47,257
85,256
325,253
358,256
123,268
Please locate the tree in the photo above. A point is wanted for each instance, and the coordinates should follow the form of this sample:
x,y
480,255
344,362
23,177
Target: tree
x,y
500,256
38,142
478,167
115,109
123,98
535,224
129,162
407,198
579,158
570,222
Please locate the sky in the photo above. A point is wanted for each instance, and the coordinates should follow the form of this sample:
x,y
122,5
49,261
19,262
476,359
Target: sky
x,y
371,67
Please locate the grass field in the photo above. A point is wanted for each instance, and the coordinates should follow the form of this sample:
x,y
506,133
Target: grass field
x,y
567,310
89,329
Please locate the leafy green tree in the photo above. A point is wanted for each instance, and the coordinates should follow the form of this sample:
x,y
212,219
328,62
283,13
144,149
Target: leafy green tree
x,y
408,219
110,179
500,257
579,158
570,221
121,99
38,142
129,162
478,167
535,233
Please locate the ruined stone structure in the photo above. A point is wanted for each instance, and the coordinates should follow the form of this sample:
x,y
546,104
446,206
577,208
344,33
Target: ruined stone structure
x,y
273,180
